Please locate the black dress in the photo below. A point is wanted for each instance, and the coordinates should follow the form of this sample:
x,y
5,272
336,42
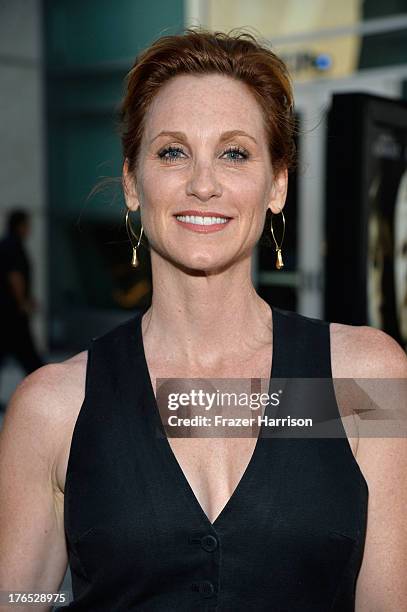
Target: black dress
x,y
290,538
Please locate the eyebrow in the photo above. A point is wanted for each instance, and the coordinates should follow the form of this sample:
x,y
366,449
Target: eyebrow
x,y
225,136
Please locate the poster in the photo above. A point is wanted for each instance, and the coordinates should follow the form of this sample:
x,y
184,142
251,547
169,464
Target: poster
x,y
366,213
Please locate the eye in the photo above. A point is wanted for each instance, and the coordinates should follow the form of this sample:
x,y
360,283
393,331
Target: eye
x,y
168,154
171,154
235,151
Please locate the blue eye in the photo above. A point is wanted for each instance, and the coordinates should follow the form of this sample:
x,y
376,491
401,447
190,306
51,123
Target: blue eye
x,y
163,154
238,151
171,154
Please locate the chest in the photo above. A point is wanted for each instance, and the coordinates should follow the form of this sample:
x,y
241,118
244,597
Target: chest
x,y
213,466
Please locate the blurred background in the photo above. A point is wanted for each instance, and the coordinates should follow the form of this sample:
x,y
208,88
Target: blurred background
x,y
62,69
67,255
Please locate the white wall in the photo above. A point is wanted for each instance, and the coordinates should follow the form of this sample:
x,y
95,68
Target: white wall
x,y
22,179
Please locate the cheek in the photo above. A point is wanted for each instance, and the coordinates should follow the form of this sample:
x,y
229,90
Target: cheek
x,y
250,196
160,189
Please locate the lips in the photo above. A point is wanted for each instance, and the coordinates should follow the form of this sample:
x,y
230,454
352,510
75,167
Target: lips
x,y
202,223
198,213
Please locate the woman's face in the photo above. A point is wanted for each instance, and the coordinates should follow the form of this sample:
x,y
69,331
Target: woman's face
x,y
191,161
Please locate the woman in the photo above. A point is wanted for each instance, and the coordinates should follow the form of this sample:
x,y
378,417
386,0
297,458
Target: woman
x,y
154,523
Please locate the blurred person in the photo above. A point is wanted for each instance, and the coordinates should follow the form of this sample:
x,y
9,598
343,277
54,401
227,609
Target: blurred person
x,y
150,522
17,303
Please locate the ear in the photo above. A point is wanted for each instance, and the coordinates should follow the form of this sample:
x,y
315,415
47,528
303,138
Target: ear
x,y
129,187
278,191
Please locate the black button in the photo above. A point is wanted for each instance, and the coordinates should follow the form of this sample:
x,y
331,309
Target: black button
x,y
206,588
209,543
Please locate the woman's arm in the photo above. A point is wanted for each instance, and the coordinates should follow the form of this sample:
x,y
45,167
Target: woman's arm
x,y
382,581
33,553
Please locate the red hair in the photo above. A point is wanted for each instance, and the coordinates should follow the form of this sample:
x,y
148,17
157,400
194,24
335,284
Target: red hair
x,y
199,51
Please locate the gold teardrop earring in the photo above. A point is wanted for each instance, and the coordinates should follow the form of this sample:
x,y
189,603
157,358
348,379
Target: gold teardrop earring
x,y
130,233
279,260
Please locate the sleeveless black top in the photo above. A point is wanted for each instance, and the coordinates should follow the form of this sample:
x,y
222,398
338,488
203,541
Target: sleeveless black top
x,y
290,539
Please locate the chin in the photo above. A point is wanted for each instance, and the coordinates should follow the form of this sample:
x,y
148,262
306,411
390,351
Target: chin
x,y
203,264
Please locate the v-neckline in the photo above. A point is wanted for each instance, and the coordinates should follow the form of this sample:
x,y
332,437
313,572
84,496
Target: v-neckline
x,y
172,459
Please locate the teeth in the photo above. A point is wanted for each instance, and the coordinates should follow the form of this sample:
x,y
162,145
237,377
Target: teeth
x,y
201,220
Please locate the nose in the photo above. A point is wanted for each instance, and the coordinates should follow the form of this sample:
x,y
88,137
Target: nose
x,y
203,182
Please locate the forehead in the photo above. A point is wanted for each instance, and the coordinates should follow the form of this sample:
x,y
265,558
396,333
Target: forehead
x,y
206,104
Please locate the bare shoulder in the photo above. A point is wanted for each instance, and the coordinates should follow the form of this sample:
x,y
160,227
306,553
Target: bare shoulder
x,y
49,390
361,351
358,353
46,404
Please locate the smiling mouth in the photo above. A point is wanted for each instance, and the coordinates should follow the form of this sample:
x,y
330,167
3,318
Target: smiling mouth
x,y
204,223
205,220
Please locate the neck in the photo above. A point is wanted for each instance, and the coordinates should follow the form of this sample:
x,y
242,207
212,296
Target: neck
x,y
206,318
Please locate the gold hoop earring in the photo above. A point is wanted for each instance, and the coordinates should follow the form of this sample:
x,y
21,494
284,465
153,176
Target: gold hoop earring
x,y
130,232
279,260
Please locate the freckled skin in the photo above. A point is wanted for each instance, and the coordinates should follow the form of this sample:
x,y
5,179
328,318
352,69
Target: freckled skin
x,y
203,176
